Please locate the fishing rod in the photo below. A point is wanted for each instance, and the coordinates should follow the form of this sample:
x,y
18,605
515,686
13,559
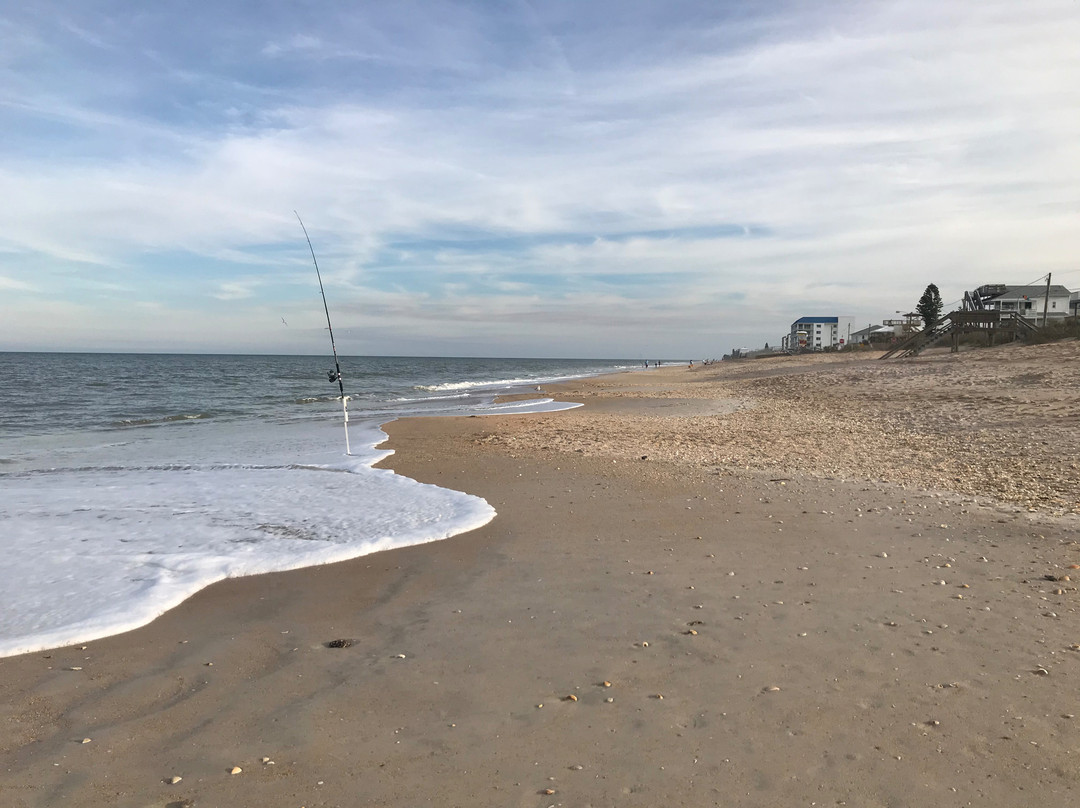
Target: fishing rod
x,y
334,375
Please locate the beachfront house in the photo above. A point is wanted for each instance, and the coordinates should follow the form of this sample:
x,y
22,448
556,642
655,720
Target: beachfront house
x,y
1027,301
873,333
818,333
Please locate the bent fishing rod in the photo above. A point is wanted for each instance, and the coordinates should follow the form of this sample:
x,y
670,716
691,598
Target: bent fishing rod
x,y
334,375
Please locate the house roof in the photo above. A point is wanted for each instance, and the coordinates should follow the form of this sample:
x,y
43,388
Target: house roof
x,y
1031,292
874,329
816,320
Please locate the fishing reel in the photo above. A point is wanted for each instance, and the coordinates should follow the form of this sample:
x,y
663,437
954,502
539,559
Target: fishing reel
x,y
333,375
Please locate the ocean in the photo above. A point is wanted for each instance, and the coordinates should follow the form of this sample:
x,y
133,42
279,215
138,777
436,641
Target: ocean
x,y
128,482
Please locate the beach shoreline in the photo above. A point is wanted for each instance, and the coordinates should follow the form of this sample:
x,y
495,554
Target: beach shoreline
x,y
818,630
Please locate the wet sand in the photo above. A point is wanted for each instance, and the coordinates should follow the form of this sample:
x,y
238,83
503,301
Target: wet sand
x,y
747,611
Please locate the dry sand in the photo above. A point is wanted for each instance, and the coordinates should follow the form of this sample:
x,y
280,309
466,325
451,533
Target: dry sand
x,y
836,605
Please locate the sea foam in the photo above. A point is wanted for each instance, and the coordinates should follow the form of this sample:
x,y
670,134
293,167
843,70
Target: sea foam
x,y
95,551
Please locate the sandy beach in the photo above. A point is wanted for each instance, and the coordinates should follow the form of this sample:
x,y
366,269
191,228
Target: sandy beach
x,y
797,581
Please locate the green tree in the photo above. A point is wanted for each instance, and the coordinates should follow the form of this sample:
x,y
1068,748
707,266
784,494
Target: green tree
x,y
929,307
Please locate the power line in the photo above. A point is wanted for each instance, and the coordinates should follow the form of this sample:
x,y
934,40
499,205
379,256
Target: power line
x,y
1039,279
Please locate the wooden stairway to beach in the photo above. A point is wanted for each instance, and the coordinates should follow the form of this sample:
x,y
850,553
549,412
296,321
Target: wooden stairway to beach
x,y
993,323
919,341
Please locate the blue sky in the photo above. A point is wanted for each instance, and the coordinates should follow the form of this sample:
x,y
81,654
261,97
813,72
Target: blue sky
x,y
523,178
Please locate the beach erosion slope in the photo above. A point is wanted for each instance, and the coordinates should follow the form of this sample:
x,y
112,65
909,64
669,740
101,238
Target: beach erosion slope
x,y
791,581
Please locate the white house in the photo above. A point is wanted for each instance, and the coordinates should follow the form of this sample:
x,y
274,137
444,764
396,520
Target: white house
x,y
873,333
818,333
1027,301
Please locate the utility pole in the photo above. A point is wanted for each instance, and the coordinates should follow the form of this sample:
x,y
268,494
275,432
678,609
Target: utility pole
x,y
1046,300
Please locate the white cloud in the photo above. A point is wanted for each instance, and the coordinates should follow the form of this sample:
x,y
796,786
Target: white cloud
x,y
864,155
15,285
298,42
237,290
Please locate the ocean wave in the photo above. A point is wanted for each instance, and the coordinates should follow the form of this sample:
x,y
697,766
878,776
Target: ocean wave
x,y
165,419
473,384
431,398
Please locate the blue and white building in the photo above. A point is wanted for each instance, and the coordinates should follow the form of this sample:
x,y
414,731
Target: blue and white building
x,y
818,333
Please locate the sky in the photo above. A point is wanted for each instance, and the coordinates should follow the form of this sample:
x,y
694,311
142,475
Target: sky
x,y
615,178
